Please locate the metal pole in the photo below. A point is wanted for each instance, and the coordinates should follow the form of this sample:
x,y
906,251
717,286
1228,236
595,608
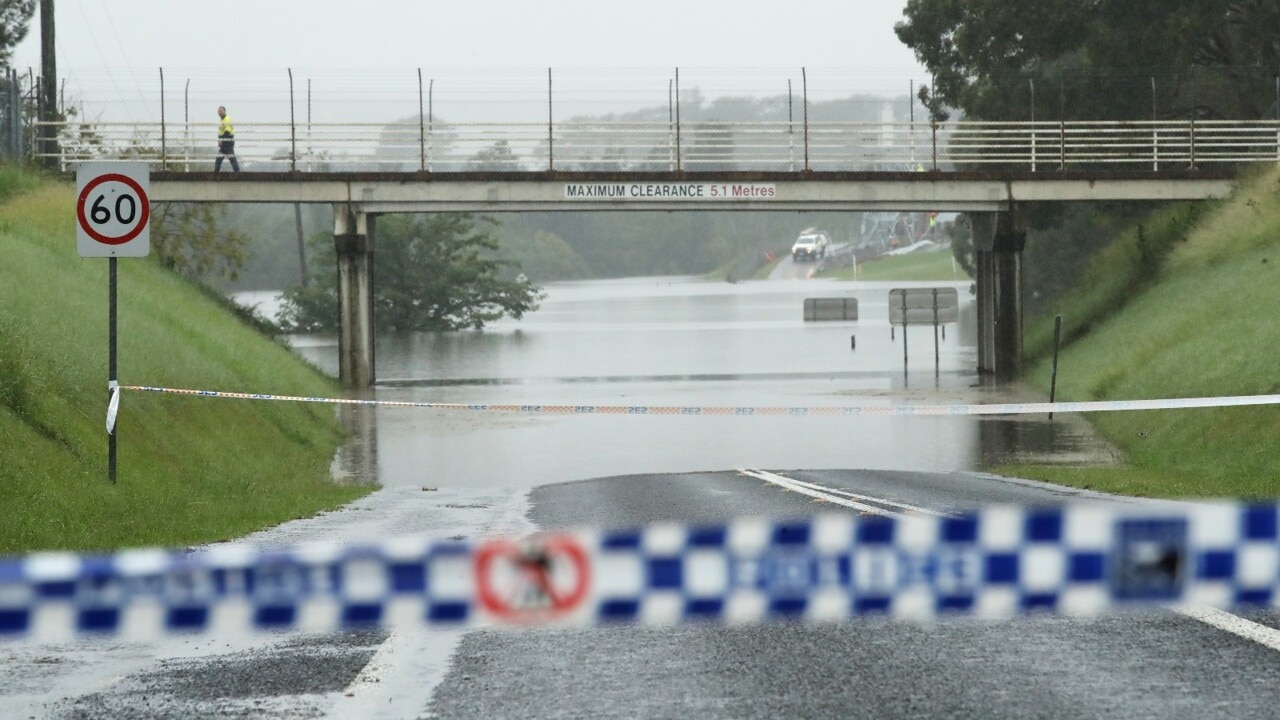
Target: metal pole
x,y
904,332
671,129
1053,378
164,150
804,78
422,128
678,161
431,94
111,364
302,243
937,358
186,126
293,129
551,137
310,150
791,132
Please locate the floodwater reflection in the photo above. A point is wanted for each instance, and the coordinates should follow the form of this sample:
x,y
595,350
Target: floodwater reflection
x,y
688,342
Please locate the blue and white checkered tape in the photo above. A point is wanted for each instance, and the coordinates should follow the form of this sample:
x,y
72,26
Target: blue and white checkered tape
x,y
999,562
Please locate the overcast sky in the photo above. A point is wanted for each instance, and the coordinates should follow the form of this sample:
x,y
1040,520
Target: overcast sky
x,y
485,59
474,34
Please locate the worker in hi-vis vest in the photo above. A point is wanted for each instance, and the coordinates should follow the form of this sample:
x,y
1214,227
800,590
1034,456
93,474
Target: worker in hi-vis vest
x,y
226,141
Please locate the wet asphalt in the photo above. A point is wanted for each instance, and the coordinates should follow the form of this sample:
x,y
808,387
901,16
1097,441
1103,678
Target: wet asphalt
x,y
1139,666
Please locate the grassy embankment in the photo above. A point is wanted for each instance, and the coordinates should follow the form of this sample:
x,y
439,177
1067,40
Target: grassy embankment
x,y
917,266
1187,306
191,469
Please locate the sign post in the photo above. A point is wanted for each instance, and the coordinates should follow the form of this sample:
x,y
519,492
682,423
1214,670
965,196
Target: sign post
x,y
113,216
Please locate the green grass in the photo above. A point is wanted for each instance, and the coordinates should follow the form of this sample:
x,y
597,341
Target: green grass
x,y
1199,320
191,470
912,266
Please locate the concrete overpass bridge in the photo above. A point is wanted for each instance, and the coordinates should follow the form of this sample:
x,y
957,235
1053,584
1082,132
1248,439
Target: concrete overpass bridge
x,y
985,169
990,198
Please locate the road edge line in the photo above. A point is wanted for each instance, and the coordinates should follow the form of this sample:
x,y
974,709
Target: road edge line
x,y
1234,624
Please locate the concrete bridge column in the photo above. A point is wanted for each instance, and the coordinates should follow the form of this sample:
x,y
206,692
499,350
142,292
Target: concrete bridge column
x,y
1007,259
998,260
353,242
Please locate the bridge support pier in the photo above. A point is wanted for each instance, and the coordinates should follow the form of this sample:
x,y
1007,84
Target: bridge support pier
x,y
353,242
998,249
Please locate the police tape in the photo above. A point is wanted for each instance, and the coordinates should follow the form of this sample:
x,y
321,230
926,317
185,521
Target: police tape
x,y
999,562
749,411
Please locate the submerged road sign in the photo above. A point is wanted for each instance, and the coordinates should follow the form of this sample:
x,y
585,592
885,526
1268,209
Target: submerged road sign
x,y
923,306
113,211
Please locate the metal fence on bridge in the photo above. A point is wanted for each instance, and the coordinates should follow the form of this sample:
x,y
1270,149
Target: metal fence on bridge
x,y
695,146
616,120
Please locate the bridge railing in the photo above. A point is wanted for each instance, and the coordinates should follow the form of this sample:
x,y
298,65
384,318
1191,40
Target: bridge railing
x,y
669,146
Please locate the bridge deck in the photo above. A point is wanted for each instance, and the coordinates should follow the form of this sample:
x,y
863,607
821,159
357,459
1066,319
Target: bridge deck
x,y
383,192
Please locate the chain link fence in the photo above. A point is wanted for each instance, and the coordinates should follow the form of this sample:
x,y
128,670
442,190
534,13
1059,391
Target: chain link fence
x,y
13,120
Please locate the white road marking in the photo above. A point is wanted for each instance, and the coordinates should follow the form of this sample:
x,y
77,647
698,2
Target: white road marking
x,y
868,498
790,484
400,678
1248,629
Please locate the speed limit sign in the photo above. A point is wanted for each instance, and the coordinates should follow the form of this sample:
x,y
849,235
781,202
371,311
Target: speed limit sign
x,y
112,210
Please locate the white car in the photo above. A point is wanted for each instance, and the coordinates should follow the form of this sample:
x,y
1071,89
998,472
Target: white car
x,y
811,245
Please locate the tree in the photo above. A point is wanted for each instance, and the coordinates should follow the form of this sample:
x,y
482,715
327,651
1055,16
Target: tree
x,y
15,21
495,158
186,238
1096,59
431,272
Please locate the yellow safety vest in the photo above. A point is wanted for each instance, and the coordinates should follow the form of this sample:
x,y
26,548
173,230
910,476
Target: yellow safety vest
x,y
224,127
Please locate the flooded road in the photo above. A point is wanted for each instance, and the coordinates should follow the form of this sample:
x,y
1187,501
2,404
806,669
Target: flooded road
x,y
682,341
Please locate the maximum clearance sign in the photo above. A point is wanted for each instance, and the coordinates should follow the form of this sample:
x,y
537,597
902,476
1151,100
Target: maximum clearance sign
x,y
113,211
670,191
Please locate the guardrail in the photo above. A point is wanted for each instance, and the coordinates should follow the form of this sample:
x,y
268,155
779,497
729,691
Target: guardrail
x,y
628,146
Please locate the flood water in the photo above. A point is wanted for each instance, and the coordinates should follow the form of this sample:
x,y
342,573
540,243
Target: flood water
x,y
688,342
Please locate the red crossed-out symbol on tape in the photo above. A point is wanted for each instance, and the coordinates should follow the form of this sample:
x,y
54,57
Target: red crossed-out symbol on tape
x,y
538,579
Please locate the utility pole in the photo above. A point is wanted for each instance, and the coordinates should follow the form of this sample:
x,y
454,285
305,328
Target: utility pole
x,y
49,89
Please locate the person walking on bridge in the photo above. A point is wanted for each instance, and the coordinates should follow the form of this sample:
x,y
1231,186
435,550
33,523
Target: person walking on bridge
x,y
226,141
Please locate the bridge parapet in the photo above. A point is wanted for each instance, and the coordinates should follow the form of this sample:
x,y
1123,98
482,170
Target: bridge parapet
x,y
672,147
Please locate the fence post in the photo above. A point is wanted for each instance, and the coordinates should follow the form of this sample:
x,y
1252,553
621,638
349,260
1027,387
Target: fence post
x,y
551,136
671,129
1053,378
293,129
422,129
1155,131
804,78
791,132
186,126
431,99
679,163
164,146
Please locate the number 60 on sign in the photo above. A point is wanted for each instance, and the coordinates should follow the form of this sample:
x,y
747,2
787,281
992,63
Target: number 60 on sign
x,y
113,211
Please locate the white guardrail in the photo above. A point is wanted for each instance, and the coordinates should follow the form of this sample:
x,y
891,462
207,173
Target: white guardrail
x,y
627,146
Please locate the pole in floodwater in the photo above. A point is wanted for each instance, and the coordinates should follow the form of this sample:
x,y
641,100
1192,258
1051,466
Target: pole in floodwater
x,y
1053,380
